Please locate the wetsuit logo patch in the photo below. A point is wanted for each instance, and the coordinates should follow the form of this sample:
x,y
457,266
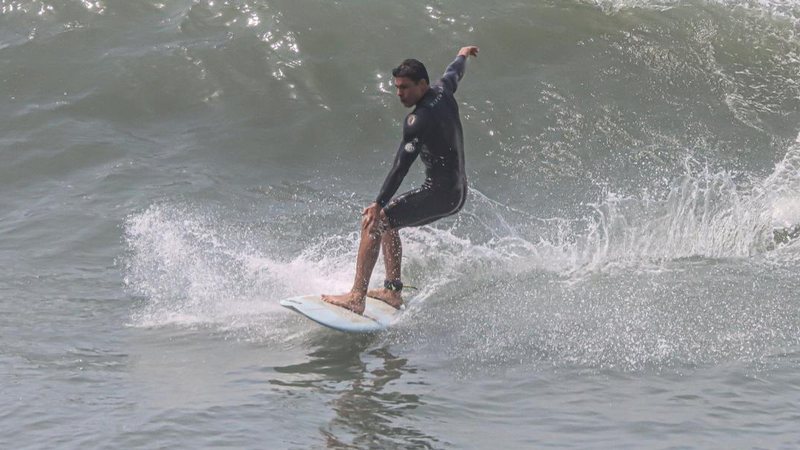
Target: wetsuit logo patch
x,y
409,147
411,119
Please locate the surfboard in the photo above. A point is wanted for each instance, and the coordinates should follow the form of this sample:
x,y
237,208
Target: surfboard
x,y
377,315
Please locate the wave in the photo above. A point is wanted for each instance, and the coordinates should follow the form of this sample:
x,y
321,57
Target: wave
x,y
500,287
192,255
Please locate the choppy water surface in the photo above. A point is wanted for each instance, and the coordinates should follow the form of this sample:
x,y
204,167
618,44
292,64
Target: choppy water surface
x,y
624,274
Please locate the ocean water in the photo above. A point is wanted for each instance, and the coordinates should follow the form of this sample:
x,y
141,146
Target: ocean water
x,y
623,274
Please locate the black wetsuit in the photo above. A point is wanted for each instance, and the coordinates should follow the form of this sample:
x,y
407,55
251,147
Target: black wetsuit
x,y
433,131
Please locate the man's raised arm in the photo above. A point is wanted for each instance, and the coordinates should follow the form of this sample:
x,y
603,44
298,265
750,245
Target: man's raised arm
x,y
455,71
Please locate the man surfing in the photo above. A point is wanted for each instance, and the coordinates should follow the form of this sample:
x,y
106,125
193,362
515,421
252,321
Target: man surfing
x,y
432,131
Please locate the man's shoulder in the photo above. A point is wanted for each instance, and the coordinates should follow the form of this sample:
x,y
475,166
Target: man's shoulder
x,y
438,94
426,108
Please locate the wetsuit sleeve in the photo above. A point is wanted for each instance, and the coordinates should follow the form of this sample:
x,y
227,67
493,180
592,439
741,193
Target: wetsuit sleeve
x,y
406,154
454,73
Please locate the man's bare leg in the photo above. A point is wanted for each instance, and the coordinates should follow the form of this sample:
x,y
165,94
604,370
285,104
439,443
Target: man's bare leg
x,y
368,250
392,258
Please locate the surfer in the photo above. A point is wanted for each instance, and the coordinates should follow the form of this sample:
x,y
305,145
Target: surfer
x,y
432,131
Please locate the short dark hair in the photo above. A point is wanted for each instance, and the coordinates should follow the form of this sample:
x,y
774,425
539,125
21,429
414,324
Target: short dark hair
x,y
412,69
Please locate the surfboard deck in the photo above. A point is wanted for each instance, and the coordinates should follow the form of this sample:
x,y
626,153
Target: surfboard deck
x,y
377,315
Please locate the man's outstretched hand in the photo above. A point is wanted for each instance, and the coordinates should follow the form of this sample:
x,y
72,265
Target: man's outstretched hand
x,y
468,51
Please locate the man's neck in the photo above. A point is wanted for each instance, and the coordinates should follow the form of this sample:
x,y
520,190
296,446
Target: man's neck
x,y
427,91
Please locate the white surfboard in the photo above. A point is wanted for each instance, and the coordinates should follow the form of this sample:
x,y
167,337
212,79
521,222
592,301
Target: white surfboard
x,y
377,315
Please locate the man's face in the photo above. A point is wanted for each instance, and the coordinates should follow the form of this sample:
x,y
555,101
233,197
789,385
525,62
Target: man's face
x,y
410,92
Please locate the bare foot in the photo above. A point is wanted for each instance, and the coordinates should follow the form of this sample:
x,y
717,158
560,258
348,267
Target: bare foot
x,y
352,301
392,298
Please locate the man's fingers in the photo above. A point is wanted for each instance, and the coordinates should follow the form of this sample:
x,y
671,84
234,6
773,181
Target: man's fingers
x,y
469,51
369,217
364,212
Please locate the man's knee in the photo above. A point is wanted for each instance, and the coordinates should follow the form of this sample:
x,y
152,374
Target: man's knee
x,y
390,232
385,225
